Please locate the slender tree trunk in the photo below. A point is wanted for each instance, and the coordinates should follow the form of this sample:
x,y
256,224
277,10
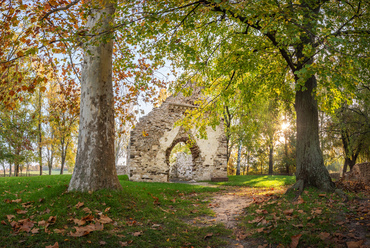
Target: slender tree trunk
x,y
261,167
227,121
40,134
271,159
63,155
286,153
16,169
16,165
350,155
10,169
3,165
95,161
239,157
248,161
349,162
310,163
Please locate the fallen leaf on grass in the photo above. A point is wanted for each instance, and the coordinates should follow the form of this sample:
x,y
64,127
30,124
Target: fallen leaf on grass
x,y
263,246
256,220
20,211
3,222
107,209
52,219
208,235
84,230
59,231
123,244
322,195
98,226
288,212
42,223
316,211
324,235
79,204
26,225
14,224
35,230
136,234
355,244
87,210
295,240
79,222
105,219
261,211
299,200
102,242
56,245
88,218
10,217
260,229
16,201
299,225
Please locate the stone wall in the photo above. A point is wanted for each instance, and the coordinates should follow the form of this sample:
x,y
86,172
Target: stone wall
x,y
155,136
359,172
182,168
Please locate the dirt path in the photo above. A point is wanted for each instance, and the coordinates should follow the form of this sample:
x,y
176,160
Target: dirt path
x,y
229,204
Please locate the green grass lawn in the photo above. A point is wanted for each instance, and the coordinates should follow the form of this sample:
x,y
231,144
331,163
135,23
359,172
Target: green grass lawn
x,y
259,181
38,212
142,214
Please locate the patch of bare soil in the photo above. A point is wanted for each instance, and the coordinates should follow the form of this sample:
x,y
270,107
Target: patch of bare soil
x,y
228,206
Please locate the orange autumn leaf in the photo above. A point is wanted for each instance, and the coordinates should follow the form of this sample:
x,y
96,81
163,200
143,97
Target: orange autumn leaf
x,y
56,245
295,240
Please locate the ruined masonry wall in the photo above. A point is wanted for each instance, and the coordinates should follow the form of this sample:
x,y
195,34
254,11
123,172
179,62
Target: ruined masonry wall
x,y
154,137
182,169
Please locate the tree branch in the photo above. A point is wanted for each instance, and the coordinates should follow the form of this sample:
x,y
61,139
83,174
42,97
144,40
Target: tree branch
x,y
59,9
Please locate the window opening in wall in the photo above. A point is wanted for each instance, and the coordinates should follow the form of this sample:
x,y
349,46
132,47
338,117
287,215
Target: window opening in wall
x,y
181,163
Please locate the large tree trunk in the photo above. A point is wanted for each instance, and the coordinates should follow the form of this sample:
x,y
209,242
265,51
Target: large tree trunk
x,y
310,164
95,161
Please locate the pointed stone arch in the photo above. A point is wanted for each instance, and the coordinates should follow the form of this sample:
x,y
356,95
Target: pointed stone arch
x,y
154,137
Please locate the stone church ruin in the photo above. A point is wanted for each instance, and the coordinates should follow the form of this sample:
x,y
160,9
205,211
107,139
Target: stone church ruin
x,y
155,136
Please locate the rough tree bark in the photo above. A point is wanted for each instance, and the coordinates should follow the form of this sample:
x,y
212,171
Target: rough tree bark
x,y
311,170
95,161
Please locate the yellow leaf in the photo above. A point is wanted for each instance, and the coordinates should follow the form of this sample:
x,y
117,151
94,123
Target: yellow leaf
x,y
20,54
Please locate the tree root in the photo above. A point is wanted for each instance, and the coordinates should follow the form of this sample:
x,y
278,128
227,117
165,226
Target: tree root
x,y
297,188
342,194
